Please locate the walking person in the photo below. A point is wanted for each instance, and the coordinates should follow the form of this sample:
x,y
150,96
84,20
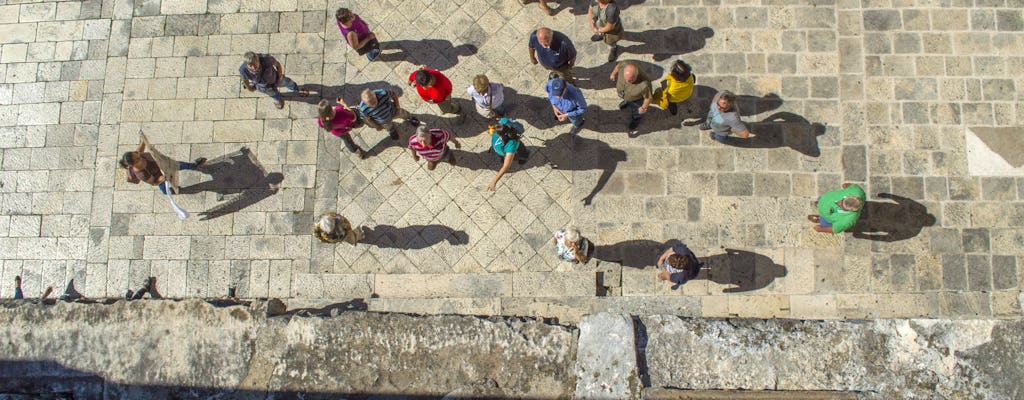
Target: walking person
x,y
435,88
634,88
554,51
838,210
264,73
568,103
378,109
678,264
339,120
334,228
488,96
506,142
571,246
432,145
606,25
20,295
676,88
156,169
724,118
357,34
543,6
148,286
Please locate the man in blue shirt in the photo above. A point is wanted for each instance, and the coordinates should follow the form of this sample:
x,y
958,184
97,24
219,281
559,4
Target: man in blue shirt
x,y
554,51
568,102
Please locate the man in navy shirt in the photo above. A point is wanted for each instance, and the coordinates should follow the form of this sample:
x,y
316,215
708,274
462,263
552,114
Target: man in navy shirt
x,y
554,51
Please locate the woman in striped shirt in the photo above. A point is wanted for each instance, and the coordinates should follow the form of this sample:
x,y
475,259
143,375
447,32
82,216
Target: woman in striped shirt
x,y
432,145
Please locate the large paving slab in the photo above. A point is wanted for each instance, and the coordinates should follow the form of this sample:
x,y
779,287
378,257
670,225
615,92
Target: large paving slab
x,y
879,93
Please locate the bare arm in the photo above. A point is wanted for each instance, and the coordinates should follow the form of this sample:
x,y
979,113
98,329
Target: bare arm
x,y
456,143
280,70
643,107
668,252
823,229
533,55
414,155
504,168
358,44
590,17
615,73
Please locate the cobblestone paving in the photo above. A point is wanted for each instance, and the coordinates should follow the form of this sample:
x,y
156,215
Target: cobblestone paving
x,y
874,92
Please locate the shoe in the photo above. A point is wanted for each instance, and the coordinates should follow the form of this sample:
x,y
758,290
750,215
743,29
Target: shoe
x,y
372,55
597,37
613,54
414,121
361,154
633,125
231,293
704,127
673,108
128,295
553,75
623,104
814,218
574,130
393,132
199,162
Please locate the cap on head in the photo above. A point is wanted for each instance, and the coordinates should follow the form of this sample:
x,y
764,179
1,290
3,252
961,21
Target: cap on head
x,y
557,86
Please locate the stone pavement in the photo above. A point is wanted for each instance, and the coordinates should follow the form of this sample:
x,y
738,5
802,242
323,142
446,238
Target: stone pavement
x,y
880,93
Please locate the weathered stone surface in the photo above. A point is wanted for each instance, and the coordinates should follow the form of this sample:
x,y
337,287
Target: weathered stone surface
x,y
606,364
881,359
164,349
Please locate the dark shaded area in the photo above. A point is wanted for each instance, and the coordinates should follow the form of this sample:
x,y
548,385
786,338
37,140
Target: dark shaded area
x,y
565,152
900,219
412,236
748,105
667,43
597,78
238,175
783,129
579,7
349,92
743,269
433,53
641,337
331,310
50,380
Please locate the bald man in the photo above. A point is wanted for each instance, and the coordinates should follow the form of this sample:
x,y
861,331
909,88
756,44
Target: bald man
x,y
554,51
634,87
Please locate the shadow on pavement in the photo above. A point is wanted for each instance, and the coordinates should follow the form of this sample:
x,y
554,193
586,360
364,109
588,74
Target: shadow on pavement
x,y
667,43
412,236
350,93
891,221
238,175
598,78
433,53
783,129
579,7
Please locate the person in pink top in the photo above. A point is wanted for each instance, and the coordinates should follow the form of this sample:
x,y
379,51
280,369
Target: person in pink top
x,y
357,34
339,121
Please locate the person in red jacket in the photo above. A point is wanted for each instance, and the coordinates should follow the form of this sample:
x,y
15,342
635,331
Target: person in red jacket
x,y
435,88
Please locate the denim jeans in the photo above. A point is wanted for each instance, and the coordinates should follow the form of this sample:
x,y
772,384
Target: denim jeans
x,y
285,82
634,110
576,121
720,138
182,165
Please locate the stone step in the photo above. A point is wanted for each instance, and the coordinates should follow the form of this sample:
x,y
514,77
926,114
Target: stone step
x,y
494,285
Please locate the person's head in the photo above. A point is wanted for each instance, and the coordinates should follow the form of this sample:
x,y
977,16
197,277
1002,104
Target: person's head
x,y
326,223
544,37
851,204
424,78
630,73
506,132
325,113
572,235
557,87
252,62
681,71
423,135
726,101
130,158
678,261
368,97
603,2
481,84
344,16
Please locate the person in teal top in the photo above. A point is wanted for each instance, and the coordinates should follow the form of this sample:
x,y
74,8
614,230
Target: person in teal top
x,y
838,210
506,143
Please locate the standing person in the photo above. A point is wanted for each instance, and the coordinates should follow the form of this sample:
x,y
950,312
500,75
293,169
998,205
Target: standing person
x,y
678,264
543,6
839,210
264,73
433,87
156,169
378,109
554,51
18,294
568,103
606,25
676,88
432,145
724,118
634,87
506,143
339,121
333,228
357,34
488,96
571,246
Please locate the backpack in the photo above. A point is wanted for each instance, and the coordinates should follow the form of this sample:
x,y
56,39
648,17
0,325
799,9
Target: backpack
x,y
512,128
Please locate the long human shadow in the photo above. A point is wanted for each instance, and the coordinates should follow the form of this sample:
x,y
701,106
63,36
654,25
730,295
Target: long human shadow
x,y
349,92
433,53
239,176
783,129
565,152
891,221
412,237
579,7
742,269
667,43
598,78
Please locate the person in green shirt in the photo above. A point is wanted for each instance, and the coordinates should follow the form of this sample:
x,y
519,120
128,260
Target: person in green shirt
x,y
838,210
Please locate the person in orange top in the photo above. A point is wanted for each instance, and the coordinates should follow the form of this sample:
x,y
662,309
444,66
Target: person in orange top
x,y
434,87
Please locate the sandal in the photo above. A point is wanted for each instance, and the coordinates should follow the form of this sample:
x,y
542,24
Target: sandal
x,y
814,218
361,154
279,104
